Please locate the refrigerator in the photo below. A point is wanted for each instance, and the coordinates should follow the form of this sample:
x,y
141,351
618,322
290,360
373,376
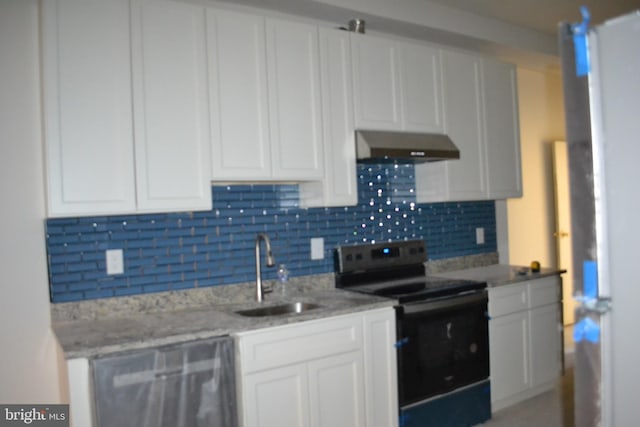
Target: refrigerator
x,y
601,81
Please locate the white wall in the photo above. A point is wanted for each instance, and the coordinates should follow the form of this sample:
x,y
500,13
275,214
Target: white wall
x,y
29,358
531,219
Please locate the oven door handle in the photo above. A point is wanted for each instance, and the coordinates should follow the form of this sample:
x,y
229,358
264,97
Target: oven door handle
x,y
445,303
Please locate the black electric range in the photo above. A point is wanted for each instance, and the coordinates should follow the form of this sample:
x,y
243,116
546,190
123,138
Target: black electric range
x,y
395,270
441,331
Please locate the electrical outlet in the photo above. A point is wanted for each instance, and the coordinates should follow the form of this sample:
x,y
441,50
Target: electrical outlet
x,y
115,263
480,236
317,248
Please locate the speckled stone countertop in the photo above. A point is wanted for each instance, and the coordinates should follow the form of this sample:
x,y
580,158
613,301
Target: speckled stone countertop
x,y
104,326
100,327
500,274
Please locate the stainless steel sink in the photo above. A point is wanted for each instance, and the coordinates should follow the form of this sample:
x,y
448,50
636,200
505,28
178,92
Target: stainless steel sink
x,y
278,310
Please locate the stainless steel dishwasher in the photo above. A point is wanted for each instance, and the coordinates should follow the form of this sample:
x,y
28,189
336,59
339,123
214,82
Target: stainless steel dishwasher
x,y
184,385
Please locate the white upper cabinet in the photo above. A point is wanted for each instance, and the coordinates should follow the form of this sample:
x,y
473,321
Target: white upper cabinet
x,y
376,83
239,101
481,117
146,101
465,178
462,179
339,186
502,132
88,121
125,107
421,88
265,97
294,100
171,106
462,92
396,85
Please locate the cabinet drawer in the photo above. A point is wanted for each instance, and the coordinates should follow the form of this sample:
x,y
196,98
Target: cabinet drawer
x,y
544,291
284,345
508,299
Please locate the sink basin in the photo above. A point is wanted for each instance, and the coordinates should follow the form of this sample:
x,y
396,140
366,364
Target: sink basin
x,y
278,310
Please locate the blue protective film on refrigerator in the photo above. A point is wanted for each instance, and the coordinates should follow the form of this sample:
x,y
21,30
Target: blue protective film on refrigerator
x,y
590,275
580,43
586,329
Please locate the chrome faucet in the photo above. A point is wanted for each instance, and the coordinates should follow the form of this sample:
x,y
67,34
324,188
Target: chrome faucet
x,y
270,263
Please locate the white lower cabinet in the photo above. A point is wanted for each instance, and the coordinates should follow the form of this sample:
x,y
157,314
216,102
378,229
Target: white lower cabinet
x,y
339,371
509,355
325,392
336,392
525,339
276,397
381,368
546,345
81,405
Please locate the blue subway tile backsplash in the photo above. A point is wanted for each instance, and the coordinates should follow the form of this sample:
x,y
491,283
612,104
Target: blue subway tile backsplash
x,y
198,249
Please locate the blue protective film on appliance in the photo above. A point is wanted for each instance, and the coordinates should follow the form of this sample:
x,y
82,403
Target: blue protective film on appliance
x,y
580,29
590,277
586,329
402,342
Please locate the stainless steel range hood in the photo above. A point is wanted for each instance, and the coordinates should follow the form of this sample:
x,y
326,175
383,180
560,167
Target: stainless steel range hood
x,y
374,146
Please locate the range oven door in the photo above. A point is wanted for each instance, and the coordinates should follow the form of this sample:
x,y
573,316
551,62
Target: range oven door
x,y
443,345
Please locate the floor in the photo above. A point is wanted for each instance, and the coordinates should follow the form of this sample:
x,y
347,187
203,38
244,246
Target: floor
x,y
551,409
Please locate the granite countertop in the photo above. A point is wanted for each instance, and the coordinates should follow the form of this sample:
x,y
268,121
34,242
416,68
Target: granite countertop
x,y
500,274
99,327
82,337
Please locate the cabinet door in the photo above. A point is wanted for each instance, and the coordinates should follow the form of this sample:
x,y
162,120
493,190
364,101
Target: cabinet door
x,y
462,99
381,371
171,108
336,391
277,397
339,185
546,348
421,88
239,105
376,83
88,126
501,129
294,100
509,355
81,399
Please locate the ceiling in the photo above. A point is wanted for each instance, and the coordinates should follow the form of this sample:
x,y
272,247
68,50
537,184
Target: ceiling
x,y
543,15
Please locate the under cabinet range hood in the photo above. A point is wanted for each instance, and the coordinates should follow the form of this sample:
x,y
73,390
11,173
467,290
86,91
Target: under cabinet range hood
x,y
373,146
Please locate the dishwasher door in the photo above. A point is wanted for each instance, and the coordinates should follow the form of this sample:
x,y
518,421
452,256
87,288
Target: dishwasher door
x,y
185,385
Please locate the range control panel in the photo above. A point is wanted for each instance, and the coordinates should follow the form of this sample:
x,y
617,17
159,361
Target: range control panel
x,y
379,255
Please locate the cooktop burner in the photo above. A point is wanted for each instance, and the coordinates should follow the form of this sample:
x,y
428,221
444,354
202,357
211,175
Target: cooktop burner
x,y
420,289
395,270
401,289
